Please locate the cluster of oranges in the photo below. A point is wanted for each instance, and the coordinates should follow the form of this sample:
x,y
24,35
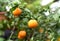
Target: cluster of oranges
x,y
31,24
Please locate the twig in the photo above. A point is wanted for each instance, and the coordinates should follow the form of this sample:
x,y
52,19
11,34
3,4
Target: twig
x,y
12,31
28,39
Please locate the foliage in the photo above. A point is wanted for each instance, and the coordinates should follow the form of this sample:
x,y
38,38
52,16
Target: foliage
x,y
50,23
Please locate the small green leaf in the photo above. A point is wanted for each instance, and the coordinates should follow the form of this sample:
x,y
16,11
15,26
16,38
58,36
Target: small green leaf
x,y
9,40
1,25
56,16
1,32
31,39
1,39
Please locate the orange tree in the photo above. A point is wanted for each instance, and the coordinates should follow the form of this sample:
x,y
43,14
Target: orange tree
x,y
28,22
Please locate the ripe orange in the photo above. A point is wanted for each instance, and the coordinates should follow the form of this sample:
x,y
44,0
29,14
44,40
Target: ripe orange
x,y
32,23
58,39
21,34
41,30
17,12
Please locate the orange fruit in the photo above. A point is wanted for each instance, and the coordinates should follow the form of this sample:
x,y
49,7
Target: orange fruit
x,y
41,30
17,12
21,34
58,39
32,23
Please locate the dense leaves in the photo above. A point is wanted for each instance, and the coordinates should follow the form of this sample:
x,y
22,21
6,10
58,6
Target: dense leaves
x,y
48,28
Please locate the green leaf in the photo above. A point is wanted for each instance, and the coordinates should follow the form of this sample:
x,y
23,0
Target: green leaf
x,y
1,39
1,32
31,39
56,16
1,25
9,40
